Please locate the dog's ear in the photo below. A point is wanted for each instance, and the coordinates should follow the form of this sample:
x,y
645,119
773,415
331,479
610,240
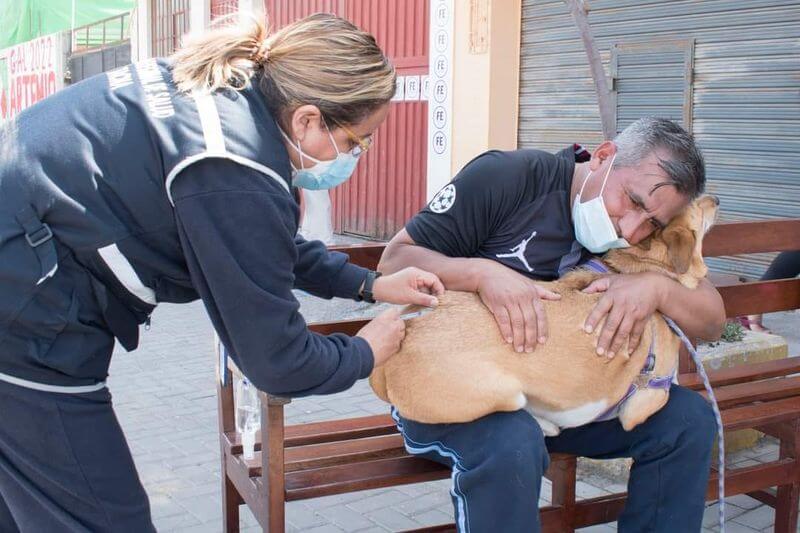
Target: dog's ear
x,y
680,243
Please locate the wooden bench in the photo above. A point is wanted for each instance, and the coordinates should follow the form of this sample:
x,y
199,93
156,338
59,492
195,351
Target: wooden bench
x,y
320,459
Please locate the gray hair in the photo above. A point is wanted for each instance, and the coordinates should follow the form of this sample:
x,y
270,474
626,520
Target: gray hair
x,y
684,166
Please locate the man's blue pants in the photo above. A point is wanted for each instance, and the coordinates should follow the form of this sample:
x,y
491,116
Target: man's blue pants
x,y
498,462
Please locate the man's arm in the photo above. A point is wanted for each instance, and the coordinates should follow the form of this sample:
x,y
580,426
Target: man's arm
x,y
699,312
456,273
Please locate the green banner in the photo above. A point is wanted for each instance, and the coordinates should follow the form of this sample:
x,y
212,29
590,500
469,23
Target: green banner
x,y
23,20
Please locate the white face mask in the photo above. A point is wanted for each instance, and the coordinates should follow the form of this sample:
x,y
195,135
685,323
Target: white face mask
x,y
593,227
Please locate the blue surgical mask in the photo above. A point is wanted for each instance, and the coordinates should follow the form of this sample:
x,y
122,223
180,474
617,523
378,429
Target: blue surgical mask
x,y
324,174
593,227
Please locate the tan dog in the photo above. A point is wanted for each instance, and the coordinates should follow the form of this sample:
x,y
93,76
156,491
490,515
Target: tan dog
x,y
454,366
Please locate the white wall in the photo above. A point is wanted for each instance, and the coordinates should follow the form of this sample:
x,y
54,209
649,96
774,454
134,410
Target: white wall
x,y
140,31
255,7
199,15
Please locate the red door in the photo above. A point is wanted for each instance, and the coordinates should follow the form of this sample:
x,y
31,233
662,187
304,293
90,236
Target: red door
x,y
389,185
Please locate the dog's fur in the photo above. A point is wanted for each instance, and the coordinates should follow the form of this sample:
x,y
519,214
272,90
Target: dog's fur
x,y
454,365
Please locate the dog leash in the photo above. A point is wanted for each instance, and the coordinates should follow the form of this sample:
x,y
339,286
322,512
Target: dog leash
x,y
713,400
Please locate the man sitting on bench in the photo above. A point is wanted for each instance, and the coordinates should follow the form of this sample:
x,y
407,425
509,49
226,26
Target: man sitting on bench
x,y
510,218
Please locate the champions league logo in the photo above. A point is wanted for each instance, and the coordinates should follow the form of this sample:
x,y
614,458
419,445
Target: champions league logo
x,y
444,199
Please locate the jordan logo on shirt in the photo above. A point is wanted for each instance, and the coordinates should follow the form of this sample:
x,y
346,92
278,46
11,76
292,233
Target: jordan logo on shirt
x,y
518,251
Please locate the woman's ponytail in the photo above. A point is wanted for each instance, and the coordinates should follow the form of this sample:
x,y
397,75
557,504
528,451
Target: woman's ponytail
x,y
322,60
222,58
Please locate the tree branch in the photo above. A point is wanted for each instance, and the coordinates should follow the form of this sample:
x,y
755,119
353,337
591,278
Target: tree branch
x,y
604,102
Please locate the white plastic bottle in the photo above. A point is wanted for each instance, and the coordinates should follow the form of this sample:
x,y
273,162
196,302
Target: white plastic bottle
x,y
248,415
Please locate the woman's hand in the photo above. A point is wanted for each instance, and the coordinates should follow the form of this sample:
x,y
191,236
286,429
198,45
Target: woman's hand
x,y
408,286
516,303
384,333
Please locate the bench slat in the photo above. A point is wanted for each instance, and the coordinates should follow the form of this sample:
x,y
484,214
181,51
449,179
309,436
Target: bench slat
x,y
335,453
372,475
361,476
366,255
339,430
756,391
735,238
761,414
327,431
742,373
348,327
761,297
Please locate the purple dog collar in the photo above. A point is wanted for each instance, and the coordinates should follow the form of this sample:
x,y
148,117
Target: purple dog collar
x,y
596,265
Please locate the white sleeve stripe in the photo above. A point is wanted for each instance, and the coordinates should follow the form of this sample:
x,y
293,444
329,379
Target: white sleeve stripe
x,y
35,385
232,157
210,122
124,272
215,144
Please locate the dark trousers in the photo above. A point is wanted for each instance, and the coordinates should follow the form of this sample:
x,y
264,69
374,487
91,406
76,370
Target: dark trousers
x,y
498,462
785,265
65,465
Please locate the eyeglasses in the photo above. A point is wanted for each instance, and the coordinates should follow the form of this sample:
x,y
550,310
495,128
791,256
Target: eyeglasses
x,y
362,143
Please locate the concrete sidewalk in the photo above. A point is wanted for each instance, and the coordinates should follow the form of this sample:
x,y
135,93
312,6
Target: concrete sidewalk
x,y
165,398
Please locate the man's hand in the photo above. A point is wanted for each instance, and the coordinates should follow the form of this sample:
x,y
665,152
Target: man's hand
x,y
628,303
515,302
409,286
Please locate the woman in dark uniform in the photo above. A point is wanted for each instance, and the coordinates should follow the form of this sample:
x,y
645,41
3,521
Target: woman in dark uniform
x,y
169,181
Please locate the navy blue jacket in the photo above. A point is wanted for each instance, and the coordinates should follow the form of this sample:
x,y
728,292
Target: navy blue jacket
x,y
158,196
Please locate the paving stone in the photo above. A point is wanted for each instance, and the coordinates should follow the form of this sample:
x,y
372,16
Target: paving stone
x,y
434,500
340,499
434,517
421,489
392,520
390,498
205,489
344,517
758,518
711,514
200,528
602,528
327,528
162,506
735,527
743,501
246,517
205,508
173,522
171,488
583,490
302,516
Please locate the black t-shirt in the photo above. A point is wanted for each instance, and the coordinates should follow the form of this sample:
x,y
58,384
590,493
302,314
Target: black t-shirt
x,y
512,207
